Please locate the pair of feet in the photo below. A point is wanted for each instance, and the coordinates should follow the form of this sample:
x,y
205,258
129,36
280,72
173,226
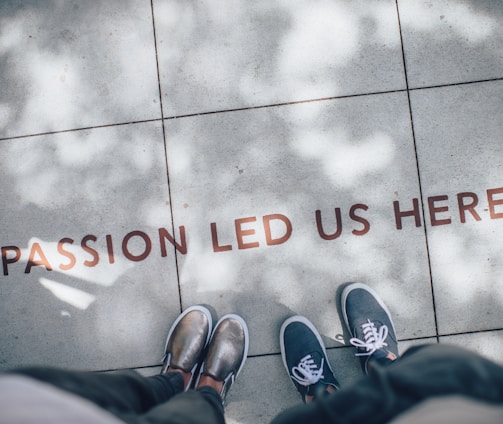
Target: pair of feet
x,y
203,355
372,333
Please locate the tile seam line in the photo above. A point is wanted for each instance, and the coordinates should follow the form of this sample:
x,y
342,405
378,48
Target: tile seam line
x,y
462,333
166,154
91,127
189,115
350,346
407,339
293,102
411,117
162,118
454,84
322,99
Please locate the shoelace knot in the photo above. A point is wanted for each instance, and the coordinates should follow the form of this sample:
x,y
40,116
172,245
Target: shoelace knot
x,y
374,339
307,372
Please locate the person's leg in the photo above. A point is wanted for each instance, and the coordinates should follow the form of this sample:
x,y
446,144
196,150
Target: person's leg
x,y
124,392
199,406
424,372
393,384
442,369
308,413
226,356
372,333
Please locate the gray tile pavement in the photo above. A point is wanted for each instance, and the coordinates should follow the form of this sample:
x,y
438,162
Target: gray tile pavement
x,y
83,273
352,157
330,171
72,65
463,193
449,42
251,54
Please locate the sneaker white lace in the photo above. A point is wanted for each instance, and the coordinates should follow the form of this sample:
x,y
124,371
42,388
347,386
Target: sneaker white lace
x,y
374,339
306,373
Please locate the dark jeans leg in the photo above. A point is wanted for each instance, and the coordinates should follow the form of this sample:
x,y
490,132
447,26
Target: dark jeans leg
x,y
135,399
422,372
202,406
121,393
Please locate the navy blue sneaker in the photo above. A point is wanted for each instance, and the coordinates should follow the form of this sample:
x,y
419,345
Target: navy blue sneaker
x,y
305,359
370,325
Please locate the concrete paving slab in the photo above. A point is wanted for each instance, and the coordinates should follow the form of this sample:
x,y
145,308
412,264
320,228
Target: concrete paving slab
x,y
265,52
73,64
84,281
247,186
256,194
487,343
448,42
460,150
